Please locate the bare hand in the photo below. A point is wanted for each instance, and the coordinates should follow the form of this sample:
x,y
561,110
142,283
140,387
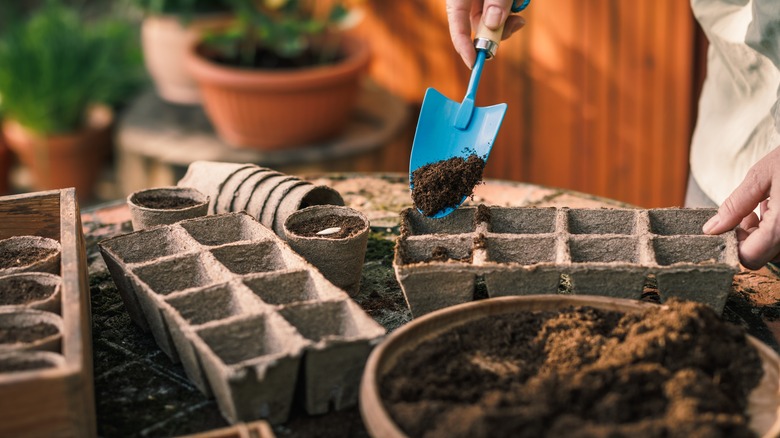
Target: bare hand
x,y
464,16
759,238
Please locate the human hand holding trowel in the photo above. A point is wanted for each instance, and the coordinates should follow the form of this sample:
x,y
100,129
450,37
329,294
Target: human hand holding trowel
x,y
453,139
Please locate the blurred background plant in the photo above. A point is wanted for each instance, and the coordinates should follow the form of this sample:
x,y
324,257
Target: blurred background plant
x,y
281,33
185,9
54,65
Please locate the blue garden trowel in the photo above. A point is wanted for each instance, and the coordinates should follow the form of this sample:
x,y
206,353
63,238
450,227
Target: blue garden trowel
x,y
448,129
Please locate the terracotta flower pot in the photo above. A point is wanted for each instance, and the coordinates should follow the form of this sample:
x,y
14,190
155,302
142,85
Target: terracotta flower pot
x,y
332,238
276,109
165,40
64,160
165,205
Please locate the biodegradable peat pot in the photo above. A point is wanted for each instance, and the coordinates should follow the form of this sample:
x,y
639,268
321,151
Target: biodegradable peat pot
x,y
302,196
32,290
64,160
26,361
209,177
277,109
332,238
165,205
763,405
29,254
30,330
165,40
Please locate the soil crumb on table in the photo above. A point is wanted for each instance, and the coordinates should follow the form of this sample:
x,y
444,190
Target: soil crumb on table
x,y
582,372
444,183
164,202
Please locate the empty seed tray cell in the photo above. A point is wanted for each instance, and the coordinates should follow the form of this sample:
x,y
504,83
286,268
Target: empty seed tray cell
x,y
45,337
225,295
526,250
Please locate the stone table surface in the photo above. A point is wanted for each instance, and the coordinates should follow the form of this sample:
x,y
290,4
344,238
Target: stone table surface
x,y
140,392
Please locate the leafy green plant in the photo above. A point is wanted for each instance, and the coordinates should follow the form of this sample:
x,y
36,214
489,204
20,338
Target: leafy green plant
x,y
279,33
54,66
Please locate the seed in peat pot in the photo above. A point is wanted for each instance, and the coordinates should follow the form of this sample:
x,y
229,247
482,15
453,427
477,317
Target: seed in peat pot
x,y
316,227
440,185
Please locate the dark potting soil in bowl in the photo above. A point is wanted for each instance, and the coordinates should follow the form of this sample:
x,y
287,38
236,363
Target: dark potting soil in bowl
x,y
348,226
14,258
22,291
164,202
443,184
581,372
24,334
24,365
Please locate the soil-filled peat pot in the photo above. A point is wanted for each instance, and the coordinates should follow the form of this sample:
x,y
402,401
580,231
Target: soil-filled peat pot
x,y
165,205
333,239
543,365
32,290
29,254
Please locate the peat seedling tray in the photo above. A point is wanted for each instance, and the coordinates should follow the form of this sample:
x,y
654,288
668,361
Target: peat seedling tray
x,y
527,250
248,317
50,393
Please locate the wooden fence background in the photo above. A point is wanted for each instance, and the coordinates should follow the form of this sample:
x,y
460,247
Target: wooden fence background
x,y
601,93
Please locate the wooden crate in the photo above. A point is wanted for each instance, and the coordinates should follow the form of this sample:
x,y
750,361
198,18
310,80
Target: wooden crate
x,y
59,401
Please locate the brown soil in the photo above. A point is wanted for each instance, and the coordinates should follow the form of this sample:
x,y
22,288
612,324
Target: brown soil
x,y
442,254
11,367
443,184
164,202
30,333
22,291
349,226
14,258
581,372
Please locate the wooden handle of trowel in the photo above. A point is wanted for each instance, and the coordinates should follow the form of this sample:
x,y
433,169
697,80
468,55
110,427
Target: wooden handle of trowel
x,y
487,39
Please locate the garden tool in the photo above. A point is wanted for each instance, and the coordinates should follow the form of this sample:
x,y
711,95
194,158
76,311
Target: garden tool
x,y
448,129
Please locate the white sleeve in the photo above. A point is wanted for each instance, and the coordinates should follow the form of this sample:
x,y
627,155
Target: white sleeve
x,y
763,36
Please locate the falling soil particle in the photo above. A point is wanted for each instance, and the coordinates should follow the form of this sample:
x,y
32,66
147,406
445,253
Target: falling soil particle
x,y
17,257
667,372
164,202
29,333
483,215
348,226
22,291
443,184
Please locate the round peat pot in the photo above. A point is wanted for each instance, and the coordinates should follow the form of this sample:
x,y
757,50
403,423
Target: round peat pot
x,y
31,290
165,205
209,177
303,196
30,330
333,238
29,254
508,323
25,361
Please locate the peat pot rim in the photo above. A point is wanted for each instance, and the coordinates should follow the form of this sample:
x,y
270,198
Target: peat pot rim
x,y
50,264
180,192
313,211
56,362
763,399
49,303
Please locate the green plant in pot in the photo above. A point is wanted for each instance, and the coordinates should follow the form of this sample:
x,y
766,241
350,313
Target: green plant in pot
x,y
168,29
59,77
284,74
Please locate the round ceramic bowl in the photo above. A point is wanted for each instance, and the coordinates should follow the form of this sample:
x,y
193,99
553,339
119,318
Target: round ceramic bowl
x,y
30,330
29,254
763,402
165,205
317,233
31,290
